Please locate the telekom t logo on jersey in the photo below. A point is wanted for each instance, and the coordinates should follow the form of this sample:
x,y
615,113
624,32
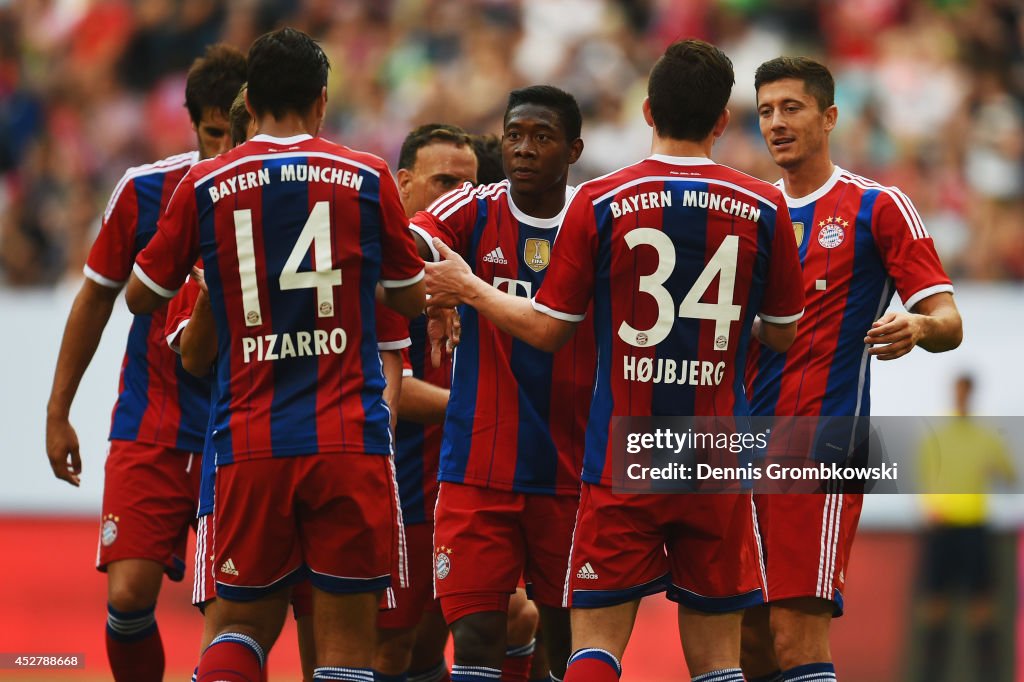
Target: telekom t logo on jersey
x,y
513,286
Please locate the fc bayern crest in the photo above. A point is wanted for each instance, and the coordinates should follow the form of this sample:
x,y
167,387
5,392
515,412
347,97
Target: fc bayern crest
x,y
832,234
443,563
108,531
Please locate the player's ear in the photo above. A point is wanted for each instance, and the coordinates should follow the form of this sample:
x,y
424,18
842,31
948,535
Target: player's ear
x,y
575,150
647,112
721,124
321,106
404,178
248,106
831,117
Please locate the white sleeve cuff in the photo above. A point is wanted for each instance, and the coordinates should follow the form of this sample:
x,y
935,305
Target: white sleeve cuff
x,y
174,338
166,293
780,319
394,345
925,293
406,373
399,283
429,239
566,317
100,279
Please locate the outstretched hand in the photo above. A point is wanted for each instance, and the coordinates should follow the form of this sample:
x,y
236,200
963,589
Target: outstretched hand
x,y
894,335
447,280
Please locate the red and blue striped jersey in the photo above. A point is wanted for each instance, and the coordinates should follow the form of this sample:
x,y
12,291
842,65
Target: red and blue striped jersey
x,y
158,402
418,446
294,235
516,415
678,255
857,241
391,335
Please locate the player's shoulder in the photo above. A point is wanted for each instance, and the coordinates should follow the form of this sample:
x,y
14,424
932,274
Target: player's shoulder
x,y
466,198
366,160
178,163
771,193
864,185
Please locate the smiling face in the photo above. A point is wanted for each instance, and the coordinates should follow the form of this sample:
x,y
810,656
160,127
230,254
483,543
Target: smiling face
x,y
534,149
792,122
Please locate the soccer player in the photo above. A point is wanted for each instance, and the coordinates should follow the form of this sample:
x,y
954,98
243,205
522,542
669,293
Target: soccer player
x,y
294,233
512,447
678,255
156,435
857,240
434,159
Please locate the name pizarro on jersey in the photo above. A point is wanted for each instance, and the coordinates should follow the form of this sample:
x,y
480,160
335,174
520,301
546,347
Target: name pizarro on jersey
x,y
294,345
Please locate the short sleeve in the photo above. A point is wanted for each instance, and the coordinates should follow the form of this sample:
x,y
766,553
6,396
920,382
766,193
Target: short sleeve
x,y
783,300
392,329
179,312
401,264
907,249
168,257
112,254
569,284
451,219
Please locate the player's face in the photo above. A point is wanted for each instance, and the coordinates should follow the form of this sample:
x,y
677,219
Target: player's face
x,y
439,167
534,150
213,133
792,124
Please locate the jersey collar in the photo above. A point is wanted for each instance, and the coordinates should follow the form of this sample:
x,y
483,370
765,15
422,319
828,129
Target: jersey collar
x,y
682,160
800,202
544,223
294,139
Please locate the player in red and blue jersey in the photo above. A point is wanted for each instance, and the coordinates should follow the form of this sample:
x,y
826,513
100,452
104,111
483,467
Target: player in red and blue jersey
x,y
678,254
150,484
859,242
294,232
434,159
512,446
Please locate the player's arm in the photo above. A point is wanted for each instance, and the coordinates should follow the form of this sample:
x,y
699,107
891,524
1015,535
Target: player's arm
x,y
391,361
422,402
451,282
89,315
199,338
934,324
778,337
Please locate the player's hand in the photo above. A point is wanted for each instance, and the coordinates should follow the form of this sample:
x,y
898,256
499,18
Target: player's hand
x,y
894,335
62,450
448,279
444,328
199,275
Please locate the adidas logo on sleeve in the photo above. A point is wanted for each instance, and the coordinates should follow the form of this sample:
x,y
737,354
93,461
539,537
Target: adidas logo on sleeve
x,y
495,256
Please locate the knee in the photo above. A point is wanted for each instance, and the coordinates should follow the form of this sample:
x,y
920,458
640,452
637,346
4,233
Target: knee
x,y
393,653
480,639
757,655
522,621
126,594
800,638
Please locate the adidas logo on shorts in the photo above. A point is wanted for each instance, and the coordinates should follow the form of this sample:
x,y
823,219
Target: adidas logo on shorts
x,y
229,567
587,572
495,256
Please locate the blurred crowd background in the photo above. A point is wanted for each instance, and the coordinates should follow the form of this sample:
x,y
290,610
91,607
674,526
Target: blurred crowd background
x,y
930,94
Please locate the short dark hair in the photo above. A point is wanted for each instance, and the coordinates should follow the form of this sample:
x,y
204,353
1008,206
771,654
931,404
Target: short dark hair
x,y
239,118
287,72
213,80
490,168
426,135
559,101
816,77
688,89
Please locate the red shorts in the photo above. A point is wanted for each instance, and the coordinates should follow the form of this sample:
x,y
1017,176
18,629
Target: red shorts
x,y
411,602
203,585
150,495
331,517
700,547
486,540
806,541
